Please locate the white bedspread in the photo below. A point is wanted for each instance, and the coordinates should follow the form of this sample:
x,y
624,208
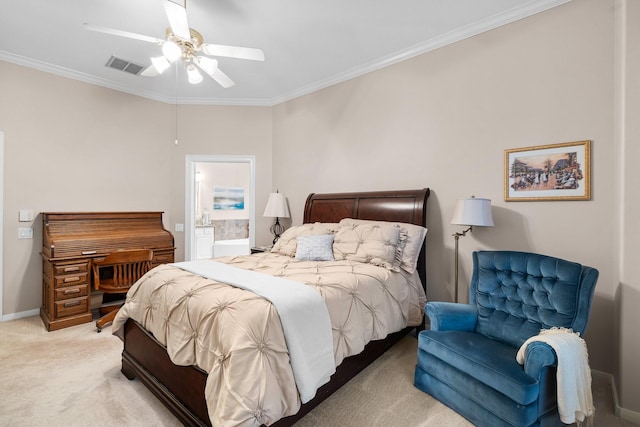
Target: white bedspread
x,y
236,336
310,344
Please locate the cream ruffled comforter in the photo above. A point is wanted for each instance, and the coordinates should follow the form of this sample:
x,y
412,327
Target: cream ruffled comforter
x,y
236,336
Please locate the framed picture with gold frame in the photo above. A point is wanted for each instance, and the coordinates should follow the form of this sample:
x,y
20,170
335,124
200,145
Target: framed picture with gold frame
x,y
548,172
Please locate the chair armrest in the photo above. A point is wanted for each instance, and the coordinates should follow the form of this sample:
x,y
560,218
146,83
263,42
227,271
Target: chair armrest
x,y
538,355
449,316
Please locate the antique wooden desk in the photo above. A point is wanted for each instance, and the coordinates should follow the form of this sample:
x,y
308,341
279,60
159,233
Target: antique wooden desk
x,y
70,243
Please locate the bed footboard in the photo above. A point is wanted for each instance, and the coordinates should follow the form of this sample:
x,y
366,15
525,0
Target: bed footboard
x,y
181,388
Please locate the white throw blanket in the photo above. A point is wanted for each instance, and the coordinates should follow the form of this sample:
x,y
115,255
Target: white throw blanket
x,y
310,343
575,402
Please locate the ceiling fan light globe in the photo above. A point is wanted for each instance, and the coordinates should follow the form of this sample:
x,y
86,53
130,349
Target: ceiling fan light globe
x,y
194,76
171,51
195,79
160,63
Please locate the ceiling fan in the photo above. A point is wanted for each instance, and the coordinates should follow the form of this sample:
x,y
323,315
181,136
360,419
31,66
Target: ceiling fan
x,y
182,42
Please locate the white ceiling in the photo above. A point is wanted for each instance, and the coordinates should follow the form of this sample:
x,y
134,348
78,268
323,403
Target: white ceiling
x,y
308,44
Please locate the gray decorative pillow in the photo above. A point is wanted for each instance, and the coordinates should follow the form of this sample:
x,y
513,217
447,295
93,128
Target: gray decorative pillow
x,y
287,243
315,248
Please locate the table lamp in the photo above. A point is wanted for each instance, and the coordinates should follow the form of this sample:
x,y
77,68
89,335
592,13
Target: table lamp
x,y
277,208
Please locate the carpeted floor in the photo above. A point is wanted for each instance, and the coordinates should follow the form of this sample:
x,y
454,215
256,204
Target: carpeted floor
x,y
71,377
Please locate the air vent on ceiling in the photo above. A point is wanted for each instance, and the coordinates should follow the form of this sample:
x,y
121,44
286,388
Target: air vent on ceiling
x,y
123,65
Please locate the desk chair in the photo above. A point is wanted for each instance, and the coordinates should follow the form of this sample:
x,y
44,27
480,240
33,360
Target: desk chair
x,y
116,273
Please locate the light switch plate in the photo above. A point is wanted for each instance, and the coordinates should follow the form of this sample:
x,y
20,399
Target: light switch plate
x,y
25,215
179,227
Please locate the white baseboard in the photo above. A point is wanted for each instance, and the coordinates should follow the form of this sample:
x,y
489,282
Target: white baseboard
x,y
14,316
625,414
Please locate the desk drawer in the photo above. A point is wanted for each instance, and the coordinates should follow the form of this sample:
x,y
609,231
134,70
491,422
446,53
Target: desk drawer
x,y
72,306
162,257
71,279
68,292
71,268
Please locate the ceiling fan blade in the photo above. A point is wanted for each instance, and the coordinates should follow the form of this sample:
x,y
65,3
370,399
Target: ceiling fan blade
x,y
233,51
222,79
177,16
150,71
121,33
160,64
210,68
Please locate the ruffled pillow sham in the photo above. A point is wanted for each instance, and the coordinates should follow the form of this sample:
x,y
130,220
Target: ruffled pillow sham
x,y
410,241
367,243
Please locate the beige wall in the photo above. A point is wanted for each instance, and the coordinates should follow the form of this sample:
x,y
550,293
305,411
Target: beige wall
x,y
218,130
441,120
628,293
71,146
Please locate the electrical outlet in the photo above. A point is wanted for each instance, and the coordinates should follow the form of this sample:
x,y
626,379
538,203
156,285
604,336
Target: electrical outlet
x,y
179,227
25,233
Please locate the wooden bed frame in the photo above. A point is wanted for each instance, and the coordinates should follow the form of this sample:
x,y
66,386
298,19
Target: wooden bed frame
x,y
181,388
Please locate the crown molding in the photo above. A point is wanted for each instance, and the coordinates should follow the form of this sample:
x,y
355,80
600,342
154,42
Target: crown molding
x,y
515,14
86,78
75,75
531,8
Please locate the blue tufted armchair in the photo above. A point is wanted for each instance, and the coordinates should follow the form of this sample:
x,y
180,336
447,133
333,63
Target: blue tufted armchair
x,y
468,358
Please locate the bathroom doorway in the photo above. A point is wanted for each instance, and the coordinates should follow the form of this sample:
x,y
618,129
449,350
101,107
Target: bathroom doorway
x,y
220,206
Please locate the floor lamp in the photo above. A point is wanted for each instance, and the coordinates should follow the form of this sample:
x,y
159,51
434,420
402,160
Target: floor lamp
x,y
276,208
469,212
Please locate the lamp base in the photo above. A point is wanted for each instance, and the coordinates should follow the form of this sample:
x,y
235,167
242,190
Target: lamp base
x,y
276,229
457,236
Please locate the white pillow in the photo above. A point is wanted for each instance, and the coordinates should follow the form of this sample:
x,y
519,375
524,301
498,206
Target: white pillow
x,y
315,248
409,244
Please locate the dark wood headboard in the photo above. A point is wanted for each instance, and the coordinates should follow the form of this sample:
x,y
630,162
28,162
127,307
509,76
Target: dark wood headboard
x,y
409,206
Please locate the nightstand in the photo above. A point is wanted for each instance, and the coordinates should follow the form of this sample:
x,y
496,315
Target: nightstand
x,y
260,249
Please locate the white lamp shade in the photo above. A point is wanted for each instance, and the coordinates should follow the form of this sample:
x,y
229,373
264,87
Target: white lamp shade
x,y
277,206
473,211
